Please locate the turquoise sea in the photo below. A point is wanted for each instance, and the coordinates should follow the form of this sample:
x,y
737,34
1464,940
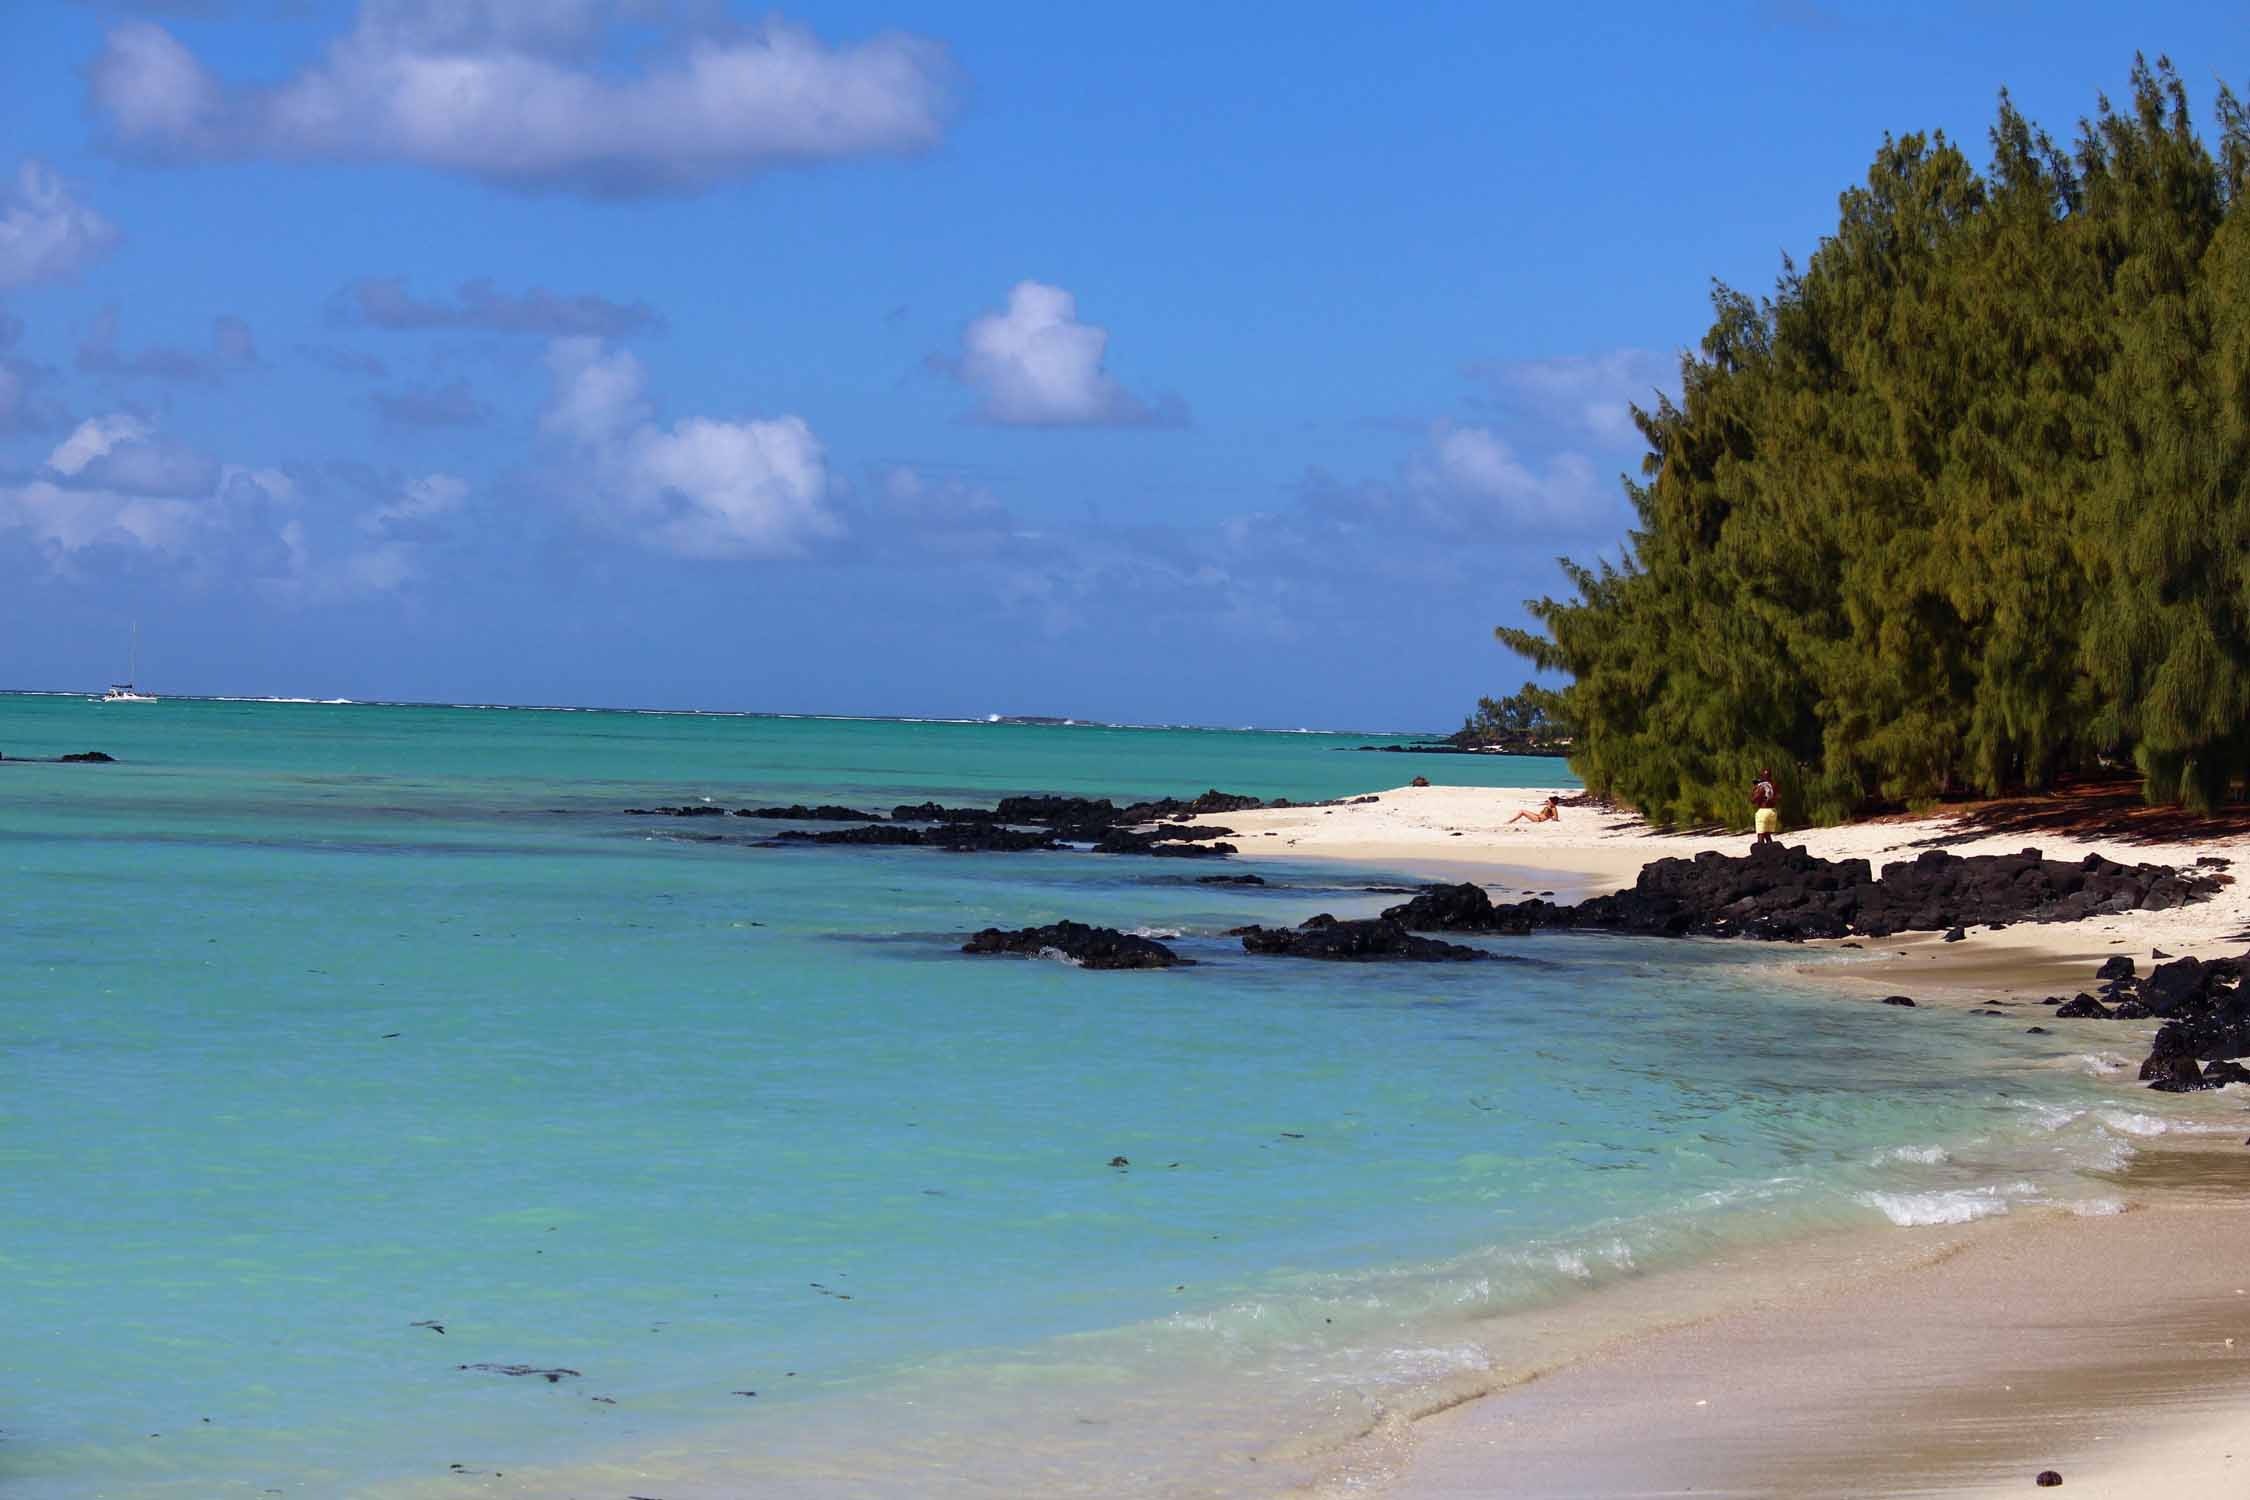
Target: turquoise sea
x,y
325,1027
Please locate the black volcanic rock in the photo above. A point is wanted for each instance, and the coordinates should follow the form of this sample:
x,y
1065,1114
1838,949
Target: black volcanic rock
x,y
1446,908
873,833
932,812
2172,1075
691,810
1230,880
87,758
1353,942
1779,893
1081,810
798,812
958,838
1089,947
1192,843
2085,1007
2206,1013
1467,908
1213,801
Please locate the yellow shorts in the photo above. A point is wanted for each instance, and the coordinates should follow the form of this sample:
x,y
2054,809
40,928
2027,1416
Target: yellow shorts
x,y
1769,820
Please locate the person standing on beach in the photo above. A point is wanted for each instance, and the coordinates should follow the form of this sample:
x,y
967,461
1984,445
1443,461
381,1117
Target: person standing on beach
x,y
1766,798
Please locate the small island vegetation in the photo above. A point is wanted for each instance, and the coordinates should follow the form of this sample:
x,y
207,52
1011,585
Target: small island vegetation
x,y
1531,722
1963,506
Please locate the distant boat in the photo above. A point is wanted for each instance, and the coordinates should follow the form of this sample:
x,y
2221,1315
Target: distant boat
x,y
123,692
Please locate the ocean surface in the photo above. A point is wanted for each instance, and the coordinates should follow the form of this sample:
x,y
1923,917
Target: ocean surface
x,y
343,1047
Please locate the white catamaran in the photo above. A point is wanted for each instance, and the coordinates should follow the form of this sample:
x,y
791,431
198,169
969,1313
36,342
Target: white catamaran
x,y
122,692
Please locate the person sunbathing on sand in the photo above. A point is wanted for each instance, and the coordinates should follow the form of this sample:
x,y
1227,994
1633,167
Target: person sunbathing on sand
x,y
1548,812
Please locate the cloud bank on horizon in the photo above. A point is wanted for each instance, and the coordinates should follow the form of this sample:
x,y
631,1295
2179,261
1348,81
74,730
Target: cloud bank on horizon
x,y
681,351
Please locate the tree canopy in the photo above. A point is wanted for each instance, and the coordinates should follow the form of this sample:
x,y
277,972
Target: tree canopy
x,y
1532,718
1964,504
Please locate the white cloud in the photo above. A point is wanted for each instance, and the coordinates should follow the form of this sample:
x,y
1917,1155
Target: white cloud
x,y
45,233
596,395
1594,393
527,96
1470,479
1036,365
94,437
117,483
1468,483
701,488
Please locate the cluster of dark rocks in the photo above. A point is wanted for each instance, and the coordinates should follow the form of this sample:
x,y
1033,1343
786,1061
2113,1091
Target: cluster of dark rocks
x,y
1363,941
1324,937
960,838
2203,1006
1785,894
1015,825
78,757
1088,947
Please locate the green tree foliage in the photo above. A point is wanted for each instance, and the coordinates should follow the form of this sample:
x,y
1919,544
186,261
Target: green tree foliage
x,y
1533,716
1964,504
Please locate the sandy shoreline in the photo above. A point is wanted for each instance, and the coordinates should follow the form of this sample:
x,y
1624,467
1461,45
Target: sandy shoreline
x,y
1953,1361
1463,833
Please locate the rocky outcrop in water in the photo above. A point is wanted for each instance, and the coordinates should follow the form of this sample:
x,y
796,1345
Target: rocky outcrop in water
x,y
1174,842
1020,823
1352,942
797,812
2204,1007
1786,894
957,838
1088,947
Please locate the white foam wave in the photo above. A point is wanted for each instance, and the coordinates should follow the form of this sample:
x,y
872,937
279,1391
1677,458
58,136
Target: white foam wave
x,y
2048,1116
1957,1206
1153,932
1747,1192
2133,1122
1060,957
1927,1156
1584,1264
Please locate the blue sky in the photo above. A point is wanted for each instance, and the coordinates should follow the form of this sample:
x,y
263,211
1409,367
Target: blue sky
x,y
1209,364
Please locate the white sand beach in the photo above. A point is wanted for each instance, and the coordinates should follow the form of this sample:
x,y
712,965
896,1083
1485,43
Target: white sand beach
x,y
1464,833
1955,1360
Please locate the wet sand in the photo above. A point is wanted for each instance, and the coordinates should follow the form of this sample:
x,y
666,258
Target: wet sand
x,y
1940,1361
1952,1361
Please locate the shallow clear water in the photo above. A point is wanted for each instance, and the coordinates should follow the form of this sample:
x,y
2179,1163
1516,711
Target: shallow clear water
x,y
317,1023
